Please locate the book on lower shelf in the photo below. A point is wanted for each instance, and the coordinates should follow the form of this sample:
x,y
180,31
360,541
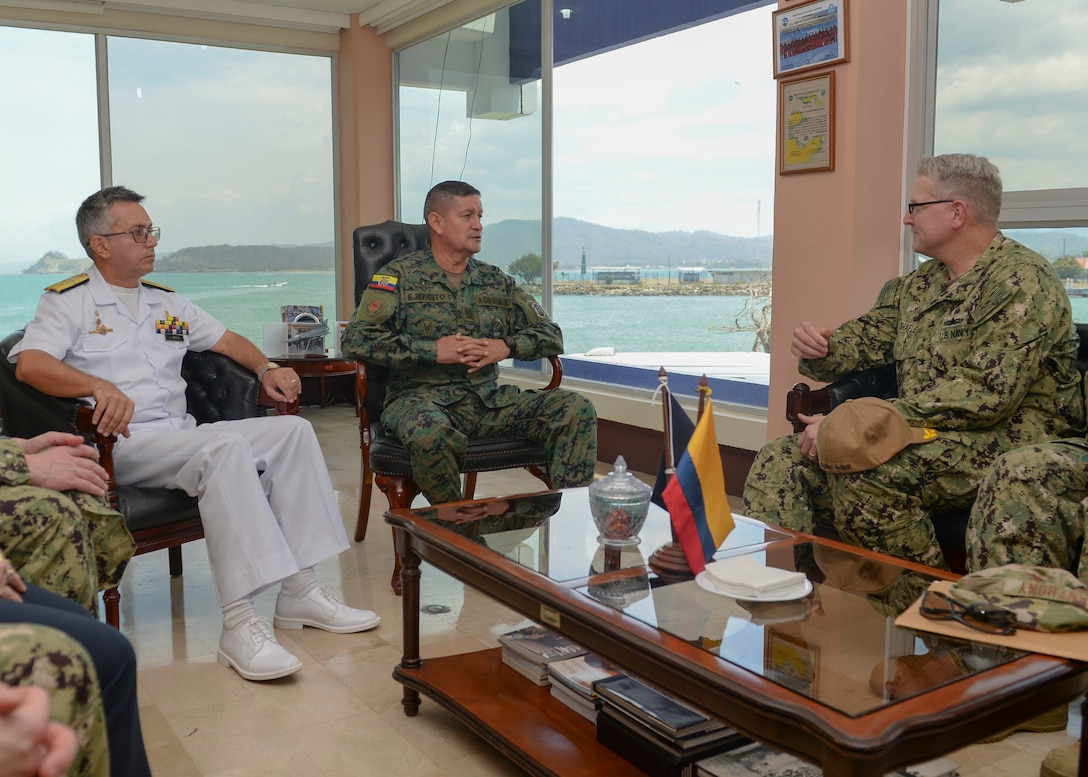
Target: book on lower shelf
x,y
585,706
758,760
665,714
650,752
538,673
539,645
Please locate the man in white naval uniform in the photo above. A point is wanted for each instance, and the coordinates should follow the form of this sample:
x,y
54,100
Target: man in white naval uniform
x,y
264,492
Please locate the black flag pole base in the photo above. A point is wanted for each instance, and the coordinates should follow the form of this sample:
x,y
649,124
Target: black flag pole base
x,y
670,564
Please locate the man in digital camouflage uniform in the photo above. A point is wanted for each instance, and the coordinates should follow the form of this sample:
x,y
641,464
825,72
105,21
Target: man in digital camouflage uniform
x,y
56,528
441,321
88,668
42,657
985,352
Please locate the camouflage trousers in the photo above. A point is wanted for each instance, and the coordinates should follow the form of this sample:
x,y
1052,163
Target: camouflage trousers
x,y
436,436
1031,509
53,661
888,509
70,543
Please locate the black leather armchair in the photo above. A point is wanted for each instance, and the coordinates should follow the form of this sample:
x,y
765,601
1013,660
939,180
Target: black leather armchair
x,y
218,389
881,382
384,460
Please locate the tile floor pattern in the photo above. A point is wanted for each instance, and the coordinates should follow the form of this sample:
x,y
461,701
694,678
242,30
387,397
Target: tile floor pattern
x,y
341,714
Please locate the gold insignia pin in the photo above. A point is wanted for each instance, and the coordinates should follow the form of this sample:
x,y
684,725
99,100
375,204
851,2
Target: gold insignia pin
x,y
99,327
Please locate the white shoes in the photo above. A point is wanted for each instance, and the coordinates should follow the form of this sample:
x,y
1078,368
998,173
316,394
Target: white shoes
x,y
254,653
322,610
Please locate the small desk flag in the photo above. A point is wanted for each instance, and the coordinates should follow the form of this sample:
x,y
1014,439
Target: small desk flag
x,y
681,428
695,497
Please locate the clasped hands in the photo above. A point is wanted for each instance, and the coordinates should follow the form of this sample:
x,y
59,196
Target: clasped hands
x,y
470,351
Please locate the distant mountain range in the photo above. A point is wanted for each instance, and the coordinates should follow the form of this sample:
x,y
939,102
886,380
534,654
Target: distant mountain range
x,y
508,240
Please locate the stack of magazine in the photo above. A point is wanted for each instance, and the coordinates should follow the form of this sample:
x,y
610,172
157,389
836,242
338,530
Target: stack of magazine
x,y
528,651
756,760
657,733
572,682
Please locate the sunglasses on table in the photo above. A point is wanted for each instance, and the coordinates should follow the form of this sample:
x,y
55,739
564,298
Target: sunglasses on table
x,y
980,616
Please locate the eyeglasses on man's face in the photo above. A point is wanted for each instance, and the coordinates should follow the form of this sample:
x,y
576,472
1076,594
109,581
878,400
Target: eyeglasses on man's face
x,y
913,206
139,234
980,616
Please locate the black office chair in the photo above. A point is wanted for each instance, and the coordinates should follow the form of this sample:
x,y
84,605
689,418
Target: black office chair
x,y
384,460
218,389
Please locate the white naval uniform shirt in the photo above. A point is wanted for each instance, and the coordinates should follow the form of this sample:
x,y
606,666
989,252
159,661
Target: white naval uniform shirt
x,y
90,328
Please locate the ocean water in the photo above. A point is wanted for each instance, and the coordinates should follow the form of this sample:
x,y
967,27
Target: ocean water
x,y
245,302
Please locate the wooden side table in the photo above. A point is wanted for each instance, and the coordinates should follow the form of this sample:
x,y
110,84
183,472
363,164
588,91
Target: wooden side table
x,y
322,368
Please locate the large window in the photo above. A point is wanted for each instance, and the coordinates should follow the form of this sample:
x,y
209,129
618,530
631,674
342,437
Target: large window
x,y
232,149
661,177
1017,103
48,151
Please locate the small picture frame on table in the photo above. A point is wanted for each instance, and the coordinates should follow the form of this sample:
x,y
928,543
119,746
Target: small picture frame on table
x,y
791,662
809,36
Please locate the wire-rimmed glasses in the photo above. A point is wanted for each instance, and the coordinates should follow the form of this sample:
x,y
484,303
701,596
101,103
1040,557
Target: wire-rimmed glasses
x,y
980,616
139,234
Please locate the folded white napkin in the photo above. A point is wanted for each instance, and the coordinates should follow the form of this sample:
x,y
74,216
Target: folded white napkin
x,y
742,576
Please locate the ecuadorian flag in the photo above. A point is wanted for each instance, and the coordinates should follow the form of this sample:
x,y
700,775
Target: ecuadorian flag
x,y
695,497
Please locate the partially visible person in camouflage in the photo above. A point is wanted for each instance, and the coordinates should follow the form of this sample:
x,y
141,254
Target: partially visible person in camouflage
x,y
441,321
56,528
94,685
42,657
985,352
1031,509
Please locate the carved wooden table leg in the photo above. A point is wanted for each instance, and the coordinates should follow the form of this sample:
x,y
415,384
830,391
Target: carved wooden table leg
x,y
409,576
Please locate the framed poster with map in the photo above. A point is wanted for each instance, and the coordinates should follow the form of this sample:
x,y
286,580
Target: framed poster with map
x,y
806,124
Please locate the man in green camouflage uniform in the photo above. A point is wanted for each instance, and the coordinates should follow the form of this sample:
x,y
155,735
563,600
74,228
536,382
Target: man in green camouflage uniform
x,y
441,321
985,352
39,656
56,529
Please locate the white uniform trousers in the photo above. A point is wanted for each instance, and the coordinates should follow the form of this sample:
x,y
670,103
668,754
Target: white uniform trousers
x,y
264,492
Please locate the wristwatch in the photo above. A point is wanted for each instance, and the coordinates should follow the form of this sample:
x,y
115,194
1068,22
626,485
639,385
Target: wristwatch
x,y
512,345
268,366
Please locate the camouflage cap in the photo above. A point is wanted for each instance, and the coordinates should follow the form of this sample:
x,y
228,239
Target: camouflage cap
x,y
1042,598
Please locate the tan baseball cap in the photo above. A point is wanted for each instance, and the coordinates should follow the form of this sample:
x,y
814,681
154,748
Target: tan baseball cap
x,y
864,433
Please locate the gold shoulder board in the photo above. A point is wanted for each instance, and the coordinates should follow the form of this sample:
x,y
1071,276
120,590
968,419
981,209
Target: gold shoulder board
x,y
154,285
69,283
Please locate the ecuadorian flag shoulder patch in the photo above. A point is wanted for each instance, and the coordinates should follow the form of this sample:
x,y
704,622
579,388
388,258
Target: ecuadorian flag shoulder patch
x,y
383,283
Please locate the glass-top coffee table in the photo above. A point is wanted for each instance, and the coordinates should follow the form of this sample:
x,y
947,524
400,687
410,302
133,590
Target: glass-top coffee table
x,y
828,677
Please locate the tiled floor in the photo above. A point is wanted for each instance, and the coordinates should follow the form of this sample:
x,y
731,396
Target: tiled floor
x,y
341,714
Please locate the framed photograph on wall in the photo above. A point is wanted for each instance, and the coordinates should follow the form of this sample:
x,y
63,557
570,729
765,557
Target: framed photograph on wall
x,y
790,662
806,124
809,35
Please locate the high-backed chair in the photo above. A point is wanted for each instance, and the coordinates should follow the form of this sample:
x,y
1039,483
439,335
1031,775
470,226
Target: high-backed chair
x,y
881,382
218,389
384,460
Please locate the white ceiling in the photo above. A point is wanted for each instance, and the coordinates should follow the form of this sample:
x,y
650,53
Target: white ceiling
x,y
314,14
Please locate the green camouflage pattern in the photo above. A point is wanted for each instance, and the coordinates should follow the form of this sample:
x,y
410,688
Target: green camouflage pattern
x,y
1042,598
434,408
989,360
69,543
49,659
399,328
1031,509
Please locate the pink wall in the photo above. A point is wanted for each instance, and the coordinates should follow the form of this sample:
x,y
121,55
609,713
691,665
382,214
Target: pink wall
x,y
837,234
